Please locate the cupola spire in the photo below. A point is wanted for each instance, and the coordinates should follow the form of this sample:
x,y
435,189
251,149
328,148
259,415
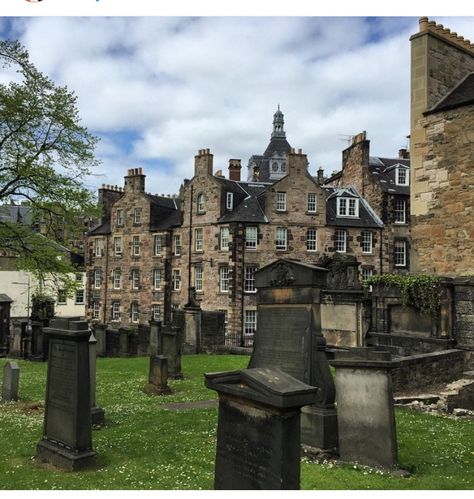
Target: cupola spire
x,y
278,124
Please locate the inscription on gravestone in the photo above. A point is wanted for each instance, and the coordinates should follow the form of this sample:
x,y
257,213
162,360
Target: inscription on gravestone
x,y
11,379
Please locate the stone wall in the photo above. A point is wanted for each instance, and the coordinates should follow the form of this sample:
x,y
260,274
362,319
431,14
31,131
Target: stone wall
x,y
421,371
464,314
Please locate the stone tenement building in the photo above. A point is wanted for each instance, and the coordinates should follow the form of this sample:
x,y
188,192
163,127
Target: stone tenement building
x,y
149,251
384,183
442,151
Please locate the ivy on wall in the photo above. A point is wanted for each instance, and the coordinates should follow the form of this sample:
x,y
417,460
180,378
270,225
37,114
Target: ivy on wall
x,y
420,291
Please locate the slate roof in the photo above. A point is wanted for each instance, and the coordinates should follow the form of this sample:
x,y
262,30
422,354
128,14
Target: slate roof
x,y
384,169
366,219
15,213
248,208
461,95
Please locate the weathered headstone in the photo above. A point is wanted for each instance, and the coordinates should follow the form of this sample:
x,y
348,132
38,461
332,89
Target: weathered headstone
x,y
365,407
158,376
258,432
124,341
11,380
192,325
289,337
112,342
67,432
97,413
100,335
170,346
153,348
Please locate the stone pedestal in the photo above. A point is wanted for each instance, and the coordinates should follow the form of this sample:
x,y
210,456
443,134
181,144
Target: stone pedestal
x,y
258,433
97,413
192,330
67,433
366,416
158,376
319,427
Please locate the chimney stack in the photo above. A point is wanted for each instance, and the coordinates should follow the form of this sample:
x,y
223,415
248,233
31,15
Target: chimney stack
x,y
403,154
203,163
234,169
320,175
135,180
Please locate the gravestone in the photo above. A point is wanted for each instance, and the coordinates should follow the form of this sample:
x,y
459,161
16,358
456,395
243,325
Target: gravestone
x,y
155,327
170,347
124,341
365,407
192,325
289,337
67,433
158,376
112,342
258,432
100,335
11,380
97,413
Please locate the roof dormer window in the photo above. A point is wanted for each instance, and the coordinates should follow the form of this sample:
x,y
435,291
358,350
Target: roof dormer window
x,y
229,201
347,207
401,175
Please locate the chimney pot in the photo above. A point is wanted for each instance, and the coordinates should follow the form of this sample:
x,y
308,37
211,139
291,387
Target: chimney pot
x,y
423,21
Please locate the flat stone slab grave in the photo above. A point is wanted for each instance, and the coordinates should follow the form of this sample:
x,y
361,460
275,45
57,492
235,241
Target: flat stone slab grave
x,y
11,381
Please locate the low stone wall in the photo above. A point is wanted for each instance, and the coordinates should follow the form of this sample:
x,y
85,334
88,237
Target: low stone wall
x,y
420,371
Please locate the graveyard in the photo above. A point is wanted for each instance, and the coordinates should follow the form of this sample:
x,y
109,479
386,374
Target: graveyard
x,y
169,441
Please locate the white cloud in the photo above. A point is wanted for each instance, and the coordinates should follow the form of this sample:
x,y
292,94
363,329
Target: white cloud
x,y
182,84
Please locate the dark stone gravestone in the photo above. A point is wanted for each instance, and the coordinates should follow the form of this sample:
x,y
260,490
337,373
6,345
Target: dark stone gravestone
x,y
123,341
289,337
97,413
11,380
143,339
112,343
365,407
212,330
154,346
158,376
170,346
99,333
133,343
192,325
258,432
67,433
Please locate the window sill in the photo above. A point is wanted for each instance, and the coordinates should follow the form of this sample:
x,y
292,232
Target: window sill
x,y
312,213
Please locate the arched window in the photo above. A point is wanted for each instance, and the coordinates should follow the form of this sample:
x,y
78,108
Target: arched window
x,y
201,200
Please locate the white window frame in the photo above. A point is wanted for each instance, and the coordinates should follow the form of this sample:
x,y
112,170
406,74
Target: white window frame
x,y
116,311
81,292
134,312
176,278
137,216
117,279
400,211
97,279
406,176
281,201
135,279
198,274
119,217
95,310
251,237
199,239
281,239
367,242
156,279
136,245
340,242
157,245
156,312
249,278
201,203
311,239
118,246
397,245
229,202
177,245
312,206
347,205
98,247
224,279
250,323
224,238
366,273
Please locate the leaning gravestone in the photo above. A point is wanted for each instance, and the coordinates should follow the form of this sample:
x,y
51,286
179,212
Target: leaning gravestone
x,y
289,337
11,380
169,339
67,433
365,407
158,376
258,432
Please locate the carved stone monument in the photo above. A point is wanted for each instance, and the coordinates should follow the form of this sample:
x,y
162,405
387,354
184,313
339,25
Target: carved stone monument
x,y
97,413
365,410
158,376
11,380
169,339
67,433
258,432
192,325
289,337
155,327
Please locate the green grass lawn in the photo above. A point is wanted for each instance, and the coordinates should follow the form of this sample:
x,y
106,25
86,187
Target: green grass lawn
x,y
144,446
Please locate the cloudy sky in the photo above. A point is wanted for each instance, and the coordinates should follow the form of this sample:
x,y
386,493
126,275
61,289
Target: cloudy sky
x,y
157,89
